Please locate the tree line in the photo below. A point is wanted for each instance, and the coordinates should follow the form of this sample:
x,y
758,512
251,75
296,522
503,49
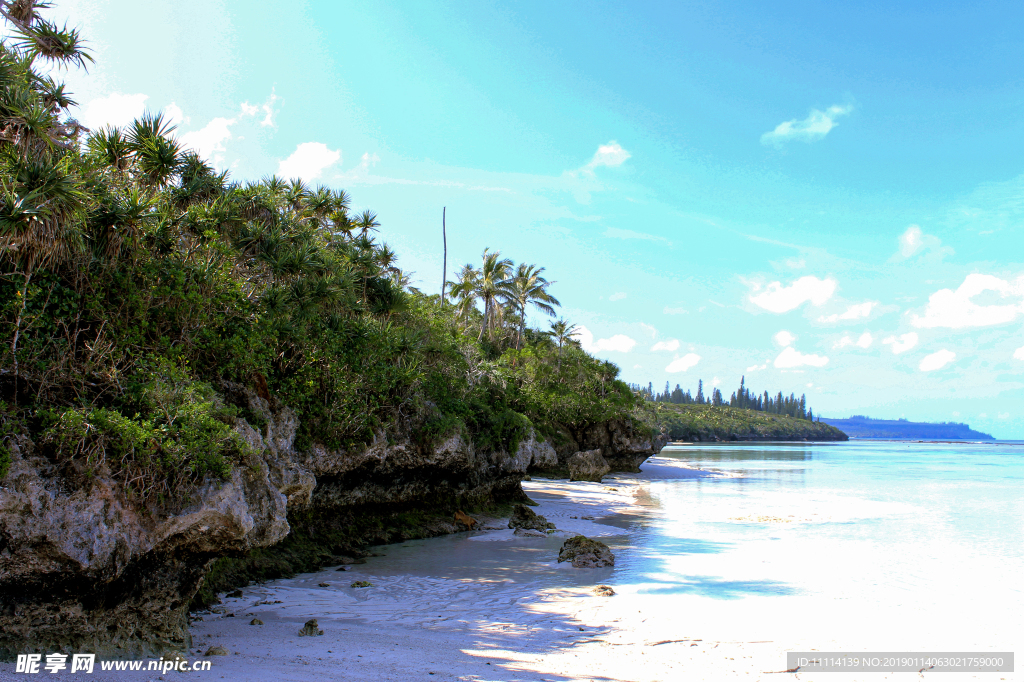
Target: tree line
x,y
140,287
743,397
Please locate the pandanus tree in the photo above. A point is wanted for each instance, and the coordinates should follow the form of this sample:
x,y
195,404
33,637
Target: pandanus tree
x,y
42,201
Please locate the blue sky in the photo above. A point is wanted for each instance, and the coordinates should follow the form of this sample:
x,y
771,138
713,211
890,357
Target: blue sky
x,y
824,199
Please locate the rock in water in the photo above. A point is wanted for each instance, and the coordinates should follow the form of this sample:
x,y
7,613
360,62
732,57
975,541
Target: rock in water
x,y
604,591
464,519
587,465
529,533
586,553
324,584
255,621
312,629
237,594
524,517
216,651
361,583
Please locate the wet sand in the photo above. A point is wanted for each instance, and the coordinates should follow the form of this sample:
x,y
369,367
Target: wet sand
x,y
488,605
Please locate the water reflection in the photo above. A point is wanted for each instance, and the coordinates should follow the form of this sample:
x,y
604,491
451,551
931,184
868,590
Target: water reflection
x,y
734,453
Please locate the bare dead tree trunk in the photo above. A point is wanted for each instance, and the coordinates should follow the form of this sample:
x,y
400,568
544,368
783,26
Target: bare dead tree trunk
x,y
444,262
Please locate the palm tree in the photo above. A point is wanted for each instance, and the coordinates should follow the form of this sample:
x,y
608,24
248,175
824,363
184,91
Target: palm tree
x,y
493,285
530,287
464,291
562,332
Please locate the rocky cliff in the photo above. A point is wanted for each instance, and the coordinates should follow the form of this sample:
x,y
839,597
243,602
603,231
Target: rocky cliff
x,y
82,568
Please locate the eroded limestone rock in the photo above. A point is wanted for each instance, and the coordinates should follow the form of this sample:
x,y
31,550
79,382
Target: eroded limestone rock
x,y
529,533
586,552
587,465
311,629
524,517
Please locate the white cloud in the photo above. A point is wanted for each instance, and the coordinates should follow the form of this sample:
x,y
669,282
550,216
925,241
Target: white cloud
x,y
790,357
1019,353
863,341
854,312
816,126
208,142
956,310
936,360
901,343
616,233
308,161
757,368
113,110
619,342
268,109
716,382
784,338
174,115
617,296
609,155
1003,415
650,329
914,241
682,364
666,345
674,311
779,299
361,173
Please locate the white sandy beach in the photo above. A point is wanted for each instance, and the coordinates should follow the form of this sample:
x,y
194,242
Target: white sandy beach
x,y
488,605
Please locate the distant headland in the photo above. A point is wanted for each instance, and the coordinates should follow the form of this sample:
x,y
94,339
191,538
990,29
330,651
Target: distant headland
x,y
864,427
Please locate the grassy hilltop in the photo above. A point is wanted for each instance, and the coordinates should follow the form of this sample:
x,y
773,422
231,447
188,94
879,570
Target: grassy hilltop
x,y
710,423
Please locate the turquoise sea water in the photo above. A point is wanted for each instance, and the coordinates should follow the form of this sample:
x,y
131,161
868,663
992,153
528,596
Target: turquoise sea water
x,y
883,546
920,544
903,515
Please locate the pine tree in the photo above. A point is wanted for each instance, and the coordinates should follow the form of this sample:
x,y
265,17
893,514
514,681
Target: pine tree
x,y
700,392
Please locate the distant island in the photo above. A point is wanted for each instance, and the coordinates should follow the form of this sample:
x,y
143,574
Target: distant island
x,y
859,426
703,423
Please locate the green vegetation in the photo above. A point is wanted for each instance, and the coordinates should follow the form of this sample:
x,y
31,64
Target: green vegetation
x,y
135,279
790,406
707,422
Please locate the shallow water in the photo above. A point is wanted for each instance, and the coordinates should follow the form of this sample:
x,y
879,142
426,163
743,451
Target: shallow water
x,y
916,538
728,556
919,538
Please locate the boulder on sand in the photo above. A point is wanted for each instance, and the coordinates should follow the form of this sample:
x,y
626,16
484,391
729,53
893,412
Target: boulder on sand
x,y
584,552
311,629
524,517
587,465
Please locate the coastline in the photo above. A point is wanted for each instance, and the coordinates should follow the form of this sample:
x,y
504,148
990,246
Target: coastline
x,y
487,605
